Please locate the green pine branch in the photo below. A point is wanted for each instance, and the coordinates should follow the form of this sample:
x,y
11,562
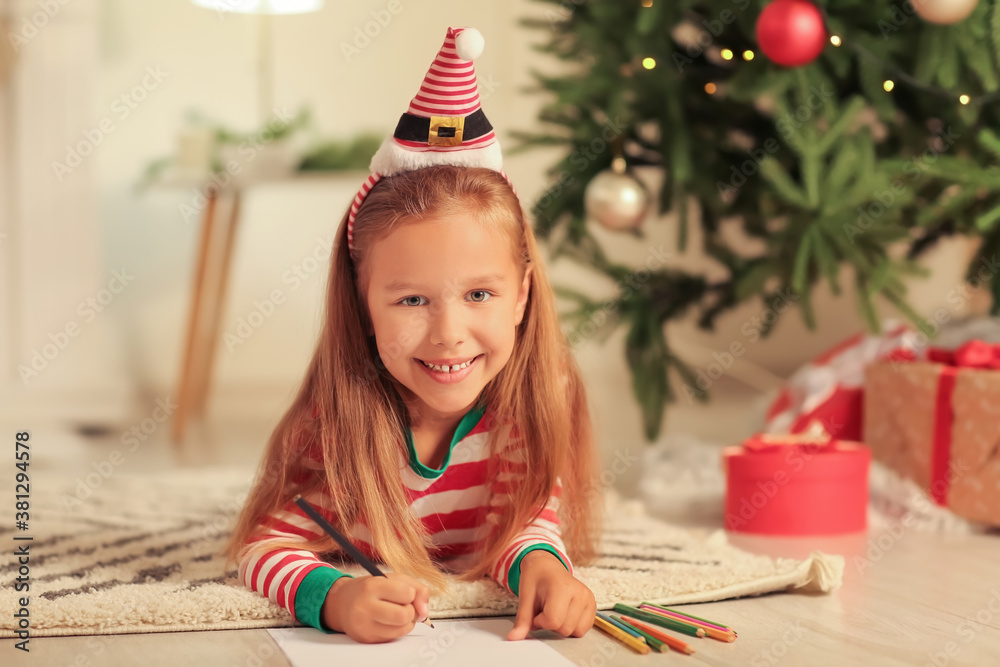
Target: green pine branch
x,y
832,173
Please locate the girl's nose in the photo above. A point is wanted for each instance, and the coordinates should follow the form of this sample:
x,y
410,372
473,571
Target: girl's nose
x,y
447,326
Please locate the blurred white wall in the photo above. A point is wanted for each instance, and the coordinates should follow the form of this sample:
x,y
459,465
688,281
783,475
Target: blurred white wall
x,y
207,63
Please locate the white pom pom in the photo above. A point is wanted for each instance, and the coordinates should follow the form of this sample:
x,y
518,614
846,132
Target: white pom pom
x,y
469,44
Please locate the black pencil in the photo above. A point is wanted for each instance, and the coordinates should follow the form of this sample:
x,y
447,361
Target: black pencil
x,y
352,550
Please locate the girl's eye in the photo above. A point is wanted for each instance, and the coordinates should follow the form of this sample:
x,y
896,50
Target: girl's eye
x,y
488,295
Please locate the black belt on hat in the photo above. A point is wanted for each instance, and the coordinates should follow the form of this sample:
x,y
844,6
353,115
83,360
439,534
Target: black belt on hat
x,y
442,130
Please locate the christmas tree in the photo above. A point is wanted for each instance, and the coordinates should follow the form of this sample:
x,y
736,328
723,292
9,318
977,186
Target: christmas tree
x,y
854,132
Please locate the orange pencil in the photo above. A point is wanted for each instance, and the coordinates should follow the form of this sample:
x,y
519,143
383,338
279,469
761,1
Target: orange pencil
x,y
710,631
718,634
672,642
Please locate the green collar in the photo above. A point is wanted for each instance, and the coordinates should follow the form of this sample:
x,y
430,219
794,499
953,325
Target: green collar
x,y
467,423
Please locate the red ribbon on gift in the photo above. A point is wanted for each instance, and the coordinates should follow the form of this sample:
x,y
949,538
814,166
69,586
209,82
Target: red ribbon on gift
x,y
973,354
761,443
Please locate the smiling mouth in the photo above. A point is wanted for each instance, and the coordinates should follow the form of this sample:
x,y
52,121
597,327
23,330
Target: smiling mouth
x,y
450,369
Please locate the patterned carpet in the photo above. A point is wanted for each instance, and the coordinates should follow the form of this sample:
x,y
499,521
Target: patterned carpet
x,y
140,553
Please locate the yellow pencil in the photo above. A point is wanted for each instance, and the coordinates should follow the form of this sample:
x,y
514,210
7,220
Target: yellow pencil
x,y
637,645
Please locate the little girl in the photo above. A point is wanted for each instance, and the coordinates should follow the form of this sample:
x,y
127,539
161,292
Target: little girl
x,y
442,423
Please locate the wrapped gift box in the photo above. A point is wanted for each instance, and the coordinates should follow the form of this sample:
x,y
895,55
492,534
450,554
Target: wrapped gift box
x,y
796,485
937,422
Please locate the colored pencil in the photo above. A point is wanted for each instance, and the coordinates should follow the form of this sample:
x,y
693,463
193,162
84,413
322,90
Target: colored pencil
x,y
637,645
711,631
661,620
352,550
655,643
612,619
661,634
683,615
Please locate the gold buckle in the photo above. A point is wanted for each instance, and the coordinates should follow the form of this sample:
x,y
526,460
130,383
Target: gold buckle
x,y
438,122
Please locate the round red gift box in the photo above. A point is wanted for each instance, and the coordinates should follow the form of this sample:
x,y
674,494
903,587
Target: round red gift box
x,y
803,488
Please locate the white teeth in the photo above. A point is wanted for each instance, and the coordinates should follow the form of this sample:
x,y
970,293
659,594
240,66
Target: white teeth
x,y
448,369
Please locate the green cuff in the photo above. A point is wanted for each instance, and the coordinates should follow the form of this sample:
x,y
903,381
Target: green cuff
x,y
312,593
514,575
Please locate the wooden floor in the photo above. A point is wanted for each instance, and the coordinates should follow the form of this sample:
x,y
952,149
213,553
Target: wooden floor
x,y
908,598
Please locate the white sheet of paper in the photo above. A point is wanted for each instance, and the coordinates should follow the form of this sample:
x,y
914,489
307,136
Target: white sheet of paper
x,y
481,642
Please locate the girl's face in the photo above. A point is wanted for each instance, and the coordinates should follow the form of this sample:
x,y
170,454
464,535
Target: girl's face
x,y
444,291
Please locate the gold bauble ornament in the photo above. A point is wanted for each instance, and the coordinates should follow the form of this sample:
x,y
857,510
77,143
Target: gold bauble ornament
x,y
944,12
617,199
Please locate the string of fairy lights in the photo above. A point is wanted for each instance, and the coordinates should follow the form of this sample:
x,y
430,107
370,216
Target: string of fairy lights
x,y
893,74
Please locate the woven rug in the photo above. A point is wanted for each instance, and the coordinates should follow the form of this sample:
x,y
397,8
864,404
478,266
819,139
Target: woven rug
x,y
141,553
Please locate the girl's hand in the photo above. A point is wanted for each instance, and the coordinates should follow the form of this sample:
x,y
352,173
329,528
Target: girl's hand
x,y
376,609
567,606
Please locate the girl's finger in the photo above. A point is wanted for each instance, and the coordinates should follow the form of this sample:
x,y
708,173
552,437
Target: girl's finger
x,y
422,603
390,613
393,631
554,611
571,620
584,621
400,592
584,625
525,612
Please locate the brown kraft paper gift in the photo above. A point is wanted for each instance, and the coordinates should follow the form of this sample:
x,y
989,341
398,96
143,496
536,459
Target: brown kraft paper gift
x,y
905,424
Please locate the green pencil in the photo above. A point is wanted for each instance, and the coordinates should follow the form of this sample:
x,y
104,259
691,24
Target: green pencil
x,y
659,619
682,613
650,639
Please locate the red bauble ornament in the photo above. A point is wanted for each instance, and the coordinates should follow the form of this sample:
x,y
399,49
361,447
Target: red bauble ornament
x,y
791,32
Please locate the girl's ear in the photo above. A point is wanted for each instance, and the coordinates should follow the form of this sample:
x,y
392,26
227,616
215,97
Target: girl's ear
x,y
522,296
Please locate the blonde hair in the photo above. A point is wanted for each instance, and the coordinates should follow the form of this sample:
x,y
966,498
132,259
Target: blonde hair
x,y
360,419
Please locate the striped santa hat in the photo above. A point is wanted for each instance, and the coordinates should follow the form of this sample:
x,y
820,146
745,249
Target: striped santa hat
x,y
444,123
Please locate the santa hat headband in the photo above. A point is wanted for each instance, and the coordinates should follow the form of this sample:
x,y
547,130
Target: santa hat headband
x,y
444,124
